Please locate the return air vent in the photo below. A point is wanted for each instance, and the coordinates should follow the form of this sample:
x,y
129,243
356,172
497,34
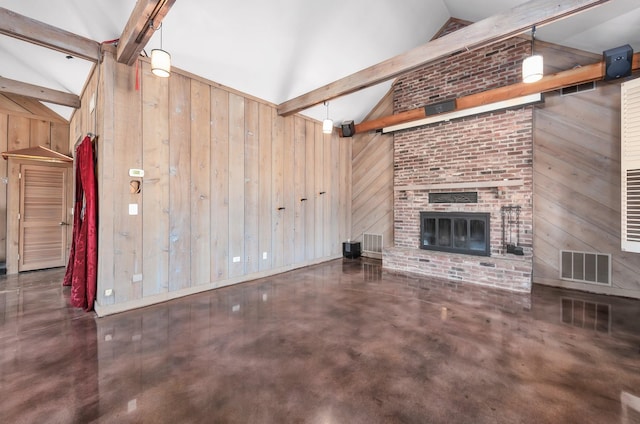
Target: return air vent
x,y
580,88
584,267
372,245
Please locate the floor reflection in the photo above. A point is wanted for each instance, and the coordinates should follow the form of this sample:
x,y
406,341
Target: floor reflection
x,y
344,341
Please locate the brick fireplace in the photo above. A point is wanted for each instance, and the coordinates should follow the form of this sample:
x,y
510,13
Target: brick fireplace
x,y
488,156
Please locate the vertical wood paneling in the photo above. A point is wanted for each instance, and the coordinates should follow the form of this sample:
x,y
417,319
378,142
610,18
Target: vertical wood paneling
x,y
200,183
155,191
228,158
319,188
326,197
278,201
309,192
251,187
4,120
60,137
219,184
299,186
155,187
19,132
288,192
128,231
179,109
106,172
236,185
40,133
266,211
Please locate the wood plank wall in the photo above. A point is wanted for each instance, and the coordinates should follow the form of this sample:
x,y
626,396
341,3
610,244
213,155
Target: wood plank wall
x,y
577,181
25,123
221,199
372,193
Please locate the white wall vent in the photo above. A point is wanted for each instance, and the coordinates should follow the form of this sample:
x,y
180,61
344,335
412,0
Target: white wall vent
x,y
372,245
585,267
630,166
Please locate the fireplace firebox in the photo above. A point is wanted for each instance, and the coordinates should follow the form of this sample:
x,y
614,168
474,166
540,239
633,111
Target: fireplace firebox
x,y
456,232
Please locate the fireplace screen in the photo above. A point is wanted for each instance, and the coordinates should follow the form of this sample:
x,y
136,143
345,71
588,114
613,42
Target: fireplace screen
x,y
455,232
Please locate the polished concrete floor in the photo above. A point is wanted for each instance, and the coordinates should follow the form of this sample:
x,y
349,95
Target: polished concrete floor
x,y
341,342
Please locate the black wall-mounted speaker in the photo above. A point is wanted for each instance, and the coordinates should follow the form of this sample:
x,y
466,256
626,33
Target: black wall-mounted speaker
x,y
441,107
348,129
617,62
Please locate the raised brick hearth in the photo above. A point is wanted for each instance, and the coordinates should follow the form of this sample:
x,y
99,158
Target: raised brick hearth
x,y
505,272
490,154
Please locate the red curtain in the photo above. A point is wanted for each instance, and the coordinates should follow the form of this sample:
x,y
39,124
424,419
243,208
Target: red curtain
x,y
81,272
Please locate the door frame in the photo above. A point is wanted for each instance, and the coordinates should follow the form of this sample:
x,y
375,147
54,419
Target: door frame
x,y
13,206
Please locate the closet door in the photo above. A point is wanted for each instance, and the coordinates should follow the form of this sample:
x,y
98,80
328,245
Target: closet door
x,y
43,218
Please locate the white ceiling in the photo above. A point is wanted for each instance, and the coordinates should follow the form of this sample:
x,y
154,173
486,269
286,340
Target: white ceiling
x,y
279,49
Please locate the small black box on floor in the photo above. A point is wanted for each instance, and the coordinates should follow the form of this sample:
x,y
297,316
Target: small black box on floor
x,y
351,250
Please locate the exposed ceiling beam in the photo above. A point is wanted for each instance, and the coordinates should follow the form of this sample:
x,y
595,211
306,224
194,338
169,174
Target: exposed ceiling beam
x,y
41,93
580,75
487,31
147,16
45,35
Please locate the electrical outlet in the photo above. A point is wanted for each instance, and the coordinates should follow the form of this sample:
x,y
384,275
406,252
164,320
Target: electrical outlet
x,y
236,259
136,278
108,292
133,209
235,308
264,255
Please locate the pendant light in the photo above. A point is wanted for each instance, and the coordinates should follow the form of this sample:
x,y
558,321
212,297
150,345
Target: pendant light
x,y
160,60
327,124
532,66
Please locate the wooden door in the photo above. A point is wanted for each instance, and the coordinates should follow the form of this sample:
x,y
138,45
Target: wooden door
x,y
43,217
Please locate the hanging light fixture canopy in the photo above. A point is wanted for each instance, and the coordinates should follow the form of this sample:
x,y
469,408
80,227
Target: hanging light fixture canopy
x,y
327,124
160,60
532,66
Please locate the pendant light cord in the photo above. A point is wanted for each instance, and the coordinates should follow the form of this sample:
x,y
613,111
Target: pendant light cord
x,y
533,39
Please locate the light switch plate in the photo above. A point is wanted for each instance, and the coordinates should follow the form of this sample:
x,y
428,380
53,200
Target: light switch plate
x,y
133,209
133,172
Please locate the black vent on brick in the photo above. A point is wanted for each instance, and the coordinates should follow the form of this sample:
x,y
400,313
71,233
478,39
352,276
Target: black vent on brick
x,y
459,197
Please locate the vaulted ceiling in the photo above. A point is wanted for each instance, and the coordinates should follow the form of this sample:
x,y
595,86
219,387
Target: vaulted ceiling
x,y
280,49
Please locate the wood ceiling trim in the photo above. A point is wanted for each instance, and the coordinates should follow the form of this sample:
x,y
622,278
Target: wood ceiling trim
x,y
579,75
41,93
36,32
138,30
487,31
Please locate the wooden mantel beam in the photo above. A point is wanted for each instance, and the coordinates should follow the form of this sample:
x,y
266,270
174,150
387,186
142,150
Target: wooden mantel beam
x,y
41,93
147,15
580,75
36,32
482,33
